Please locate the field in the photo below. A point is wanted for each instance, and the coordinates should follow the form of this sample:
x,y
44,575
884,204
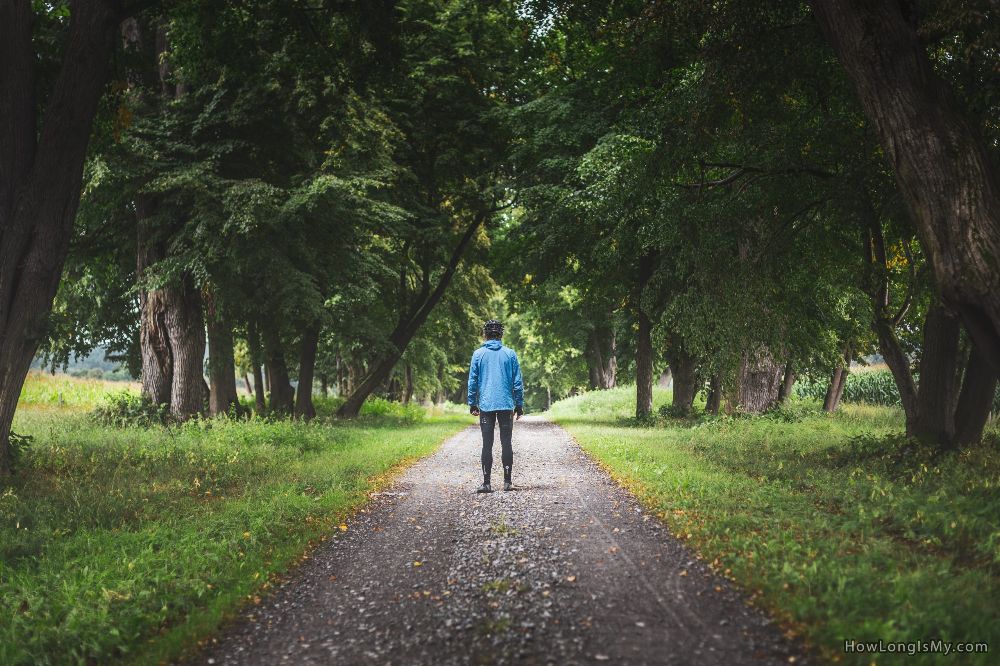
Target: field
x,y
835,524
129,544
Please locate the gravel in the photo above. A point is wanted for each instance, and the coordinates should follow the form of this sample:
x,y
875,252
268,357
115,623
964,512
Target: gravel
x,y
565,569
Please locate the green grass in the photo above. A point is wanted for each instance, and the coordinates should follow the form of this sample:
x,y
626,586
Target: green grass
x,y
132,544
836,524
62,392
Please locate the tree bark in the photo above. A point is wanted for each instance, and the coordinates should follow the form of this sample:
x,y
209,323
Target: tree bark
x,y
759,378
937,392
975,400
221,362
253,342
247,384
602,365
407,327
714,398
685,373
407,383
941,163
837,383
644,367
836,389
304,408
787,383
186,334
40,177
644,345
154,340
282,393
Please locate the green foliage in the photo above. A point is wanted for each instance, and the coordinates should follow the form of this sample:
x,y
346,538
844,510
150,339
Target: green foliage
x,y
126,409
835,524
875,387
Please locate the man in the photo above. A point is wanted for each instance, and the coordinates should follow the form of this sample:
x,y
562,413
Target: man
x,y
496,395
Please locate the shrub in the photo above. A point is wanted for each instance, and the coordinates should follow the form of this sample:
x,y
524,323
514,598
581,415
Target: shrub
x,y
124,409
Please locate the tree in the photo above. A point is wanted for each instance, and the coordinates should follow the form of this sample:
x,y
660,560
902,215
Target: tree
x,y
942,165
43,145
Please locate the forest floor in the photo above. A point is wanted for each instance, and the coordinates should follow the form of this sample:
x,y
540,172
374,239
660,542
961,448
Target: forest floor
x,y
567,568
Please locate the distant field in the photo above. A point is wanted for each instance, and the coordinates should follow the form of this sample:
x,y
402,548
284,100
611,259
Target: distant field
x,y
129,544
834,523
45,390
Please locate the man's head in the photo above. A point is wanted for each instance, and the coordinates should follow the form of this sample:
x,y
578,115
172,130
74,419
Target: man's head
x,y
492,330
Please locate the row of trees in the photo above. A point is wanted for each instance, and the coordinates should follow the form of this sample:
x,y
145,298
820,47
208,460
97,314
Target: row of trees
x,y
729,196
306,188
325,190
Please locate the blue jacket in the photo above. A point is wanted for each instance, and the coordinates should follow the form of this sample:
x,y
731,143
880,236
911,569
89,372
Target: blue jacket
x,y
495,378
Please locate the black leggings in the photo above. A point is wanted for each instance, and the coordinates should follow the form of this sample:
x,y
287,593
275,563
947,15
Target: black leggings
x,y
487,421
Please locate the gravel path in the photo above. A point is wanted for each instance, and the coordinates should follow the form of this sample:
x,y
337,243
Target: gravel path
x,y
566,569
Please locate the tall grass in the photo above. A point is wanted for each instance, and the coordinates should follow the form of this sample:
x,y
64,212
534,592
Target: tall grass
x,y
836,523
61,391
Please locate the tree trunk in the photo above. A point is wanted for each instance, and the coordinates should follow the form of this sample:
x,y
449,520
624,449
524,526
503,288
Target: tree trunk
x,y
282,393
256,355
714,398
324,384
975,400
941,163
407,327
837,383
304,408
548,398
247,384
408,383
685,373
154,341
602,365
221,363
836,389
787,384
644,367
41,167
644,345
759,378
899,366
186,333
937,392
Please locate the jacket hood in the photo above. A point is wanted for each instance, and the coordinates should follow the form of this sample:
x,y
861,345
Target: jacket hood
x,y
493,344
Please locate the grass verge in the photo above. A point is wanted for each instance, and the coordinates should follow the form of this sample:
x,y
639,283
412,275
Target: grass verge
x,y
130,544
836,524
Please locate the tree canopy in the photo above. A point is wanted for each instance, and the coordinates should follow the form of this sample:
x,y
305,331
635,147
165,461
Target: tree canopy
x,y
335,195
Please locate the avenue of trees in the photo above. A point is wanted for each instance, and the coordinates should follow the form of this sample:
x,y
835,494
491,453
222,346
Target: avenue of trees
x,y
336,193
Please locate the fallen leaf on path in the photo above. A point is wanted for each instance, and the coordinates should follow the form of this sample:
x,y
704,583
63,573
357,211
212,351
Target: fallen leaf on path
x,y
683,573
343,527
570,579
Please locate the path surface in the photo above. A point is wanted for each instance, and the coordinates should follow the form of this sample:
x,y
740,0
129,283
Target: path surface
x,y
566,569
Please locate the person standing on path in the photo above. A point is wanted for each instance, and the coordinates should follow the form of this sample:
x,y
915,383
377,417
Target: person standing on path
x,y
496,395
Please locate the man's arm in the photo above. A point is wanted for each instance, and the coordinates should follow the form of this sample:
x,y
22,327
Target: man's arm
x,y
518,388
473,396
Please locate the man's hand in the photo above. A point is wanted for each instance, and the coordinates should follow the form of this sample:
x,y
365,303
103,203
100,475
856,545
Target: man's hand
x,y
473,410
518,412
